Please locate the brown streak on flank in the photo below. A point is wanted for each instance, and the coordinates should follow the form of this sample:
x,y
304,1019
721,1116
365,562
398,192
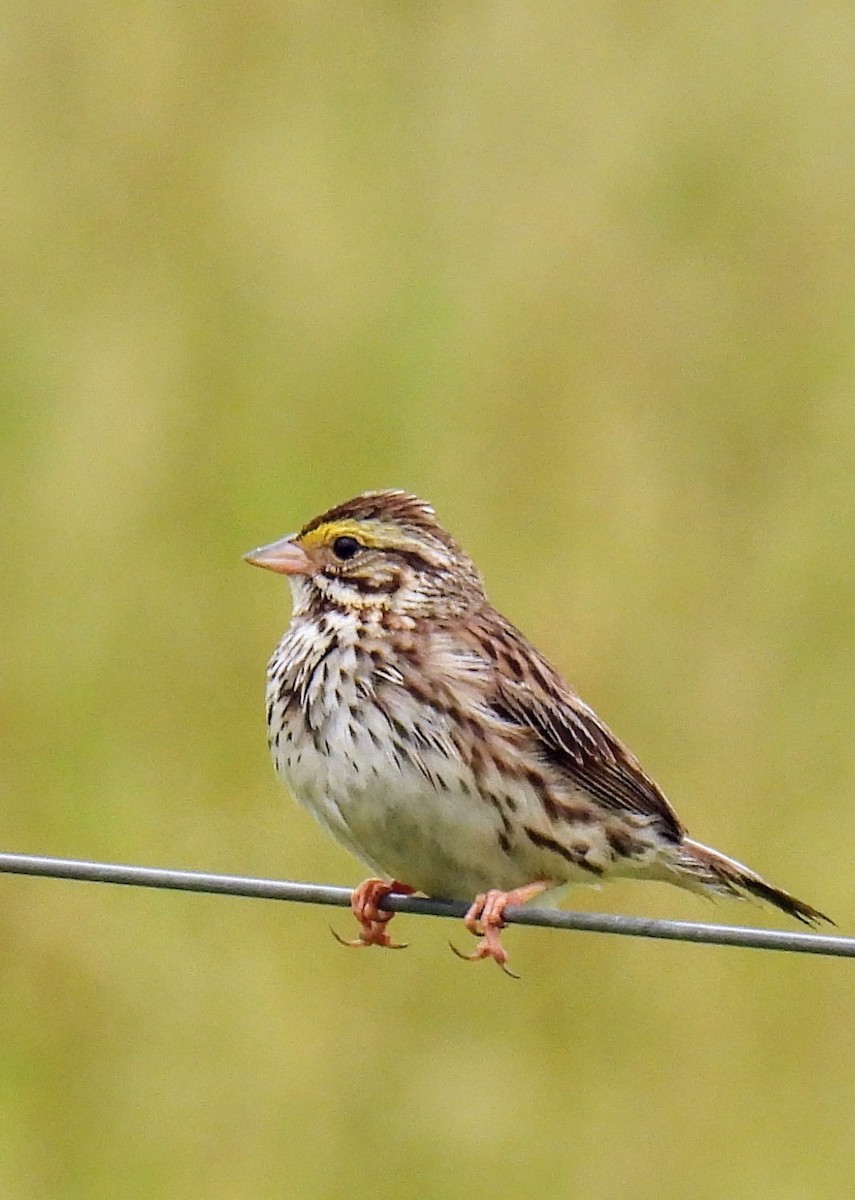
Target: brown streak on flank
x,y
489,648
574,856
621,842
507,826
478,760
534,778
317,740
572,814
515,666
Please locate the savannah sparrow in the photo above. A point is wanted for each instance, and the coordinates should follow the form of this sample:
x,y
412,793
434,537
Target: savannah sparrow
x,y
432,739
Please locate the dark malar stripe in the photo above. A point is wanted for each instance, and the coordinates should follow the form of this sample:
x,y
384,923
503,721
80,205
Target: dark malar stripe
x,y
363,586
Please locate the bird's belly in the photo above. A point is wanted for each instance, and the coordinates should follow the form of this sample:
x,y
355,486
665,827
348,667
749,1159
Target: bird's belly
x,y
428,827
422,818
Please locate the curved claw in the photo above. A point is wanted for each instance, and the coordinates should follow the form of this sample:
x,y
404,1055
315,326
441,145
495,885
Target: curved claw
x,y
369,937
484,951
485,918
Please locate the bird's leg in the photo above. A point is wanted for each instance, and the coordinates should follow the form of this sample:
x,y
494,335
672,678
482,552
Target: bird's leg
x,y
365,905
485,919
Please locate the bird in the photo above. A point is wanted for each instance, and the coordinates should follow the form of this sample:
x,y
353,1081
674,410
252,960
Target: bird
x,y
429,736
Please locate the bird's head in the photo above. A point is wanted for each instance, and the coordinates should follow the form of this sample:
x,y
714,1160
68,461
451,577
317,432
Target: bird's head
x,y
381,550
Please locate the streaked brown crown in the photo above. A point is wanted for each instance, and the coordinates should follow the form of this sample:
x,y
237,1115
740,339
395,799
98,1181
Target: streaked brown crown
x,y
401,508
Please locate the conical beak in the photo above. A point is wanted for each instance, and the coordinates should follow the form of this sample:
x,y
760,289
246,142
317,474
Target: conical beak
x,y
284,556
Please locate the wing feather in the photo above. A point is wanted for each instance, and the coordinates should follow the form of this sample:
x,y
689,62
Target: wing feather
x,y
529,693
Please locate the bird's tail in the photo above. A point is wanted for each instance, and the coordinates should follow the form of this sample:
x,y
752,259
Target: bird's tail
x,y
715,872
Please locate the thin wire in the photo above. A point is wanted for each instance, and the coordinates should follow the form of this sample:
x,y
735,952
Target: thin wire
x,y
315,893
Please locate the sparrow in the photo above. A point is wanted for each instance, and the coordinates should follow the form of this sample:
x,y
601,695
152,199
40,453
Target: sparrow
x,y
427,734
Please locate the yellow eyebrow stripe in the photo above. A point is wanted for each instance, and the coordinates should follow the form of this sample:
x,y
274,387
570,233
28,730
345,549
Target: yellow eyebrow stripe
x,y
325,535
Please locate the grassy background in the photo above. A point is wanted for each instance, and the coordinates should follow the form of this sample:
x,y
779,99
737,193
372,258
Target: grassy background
x,y
583,276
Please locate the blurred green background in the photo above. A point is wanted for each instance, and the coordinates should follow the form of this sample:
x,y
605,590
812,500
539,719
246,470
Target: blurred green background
x,y
583,276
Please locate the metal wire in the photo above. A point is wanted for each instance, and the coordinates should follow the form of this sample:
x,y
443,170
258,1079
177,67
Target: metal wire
x,y
315,893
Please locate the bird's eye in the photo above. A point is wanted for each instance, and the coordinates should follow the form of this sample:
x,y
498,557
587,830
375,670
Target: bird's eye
x,y
345,547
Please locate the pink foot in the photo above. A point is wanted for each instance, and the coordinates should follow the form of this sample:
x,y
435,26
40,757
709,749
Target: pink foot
x,y
373,920
485,919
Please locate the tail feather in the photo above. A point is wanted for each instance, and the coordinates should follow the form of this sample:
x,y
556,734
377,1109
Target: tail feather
x,y
716,872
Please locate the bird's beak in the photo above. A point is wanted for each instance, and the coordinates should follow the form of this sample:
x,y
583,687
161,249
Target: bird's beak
x,y
284,556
